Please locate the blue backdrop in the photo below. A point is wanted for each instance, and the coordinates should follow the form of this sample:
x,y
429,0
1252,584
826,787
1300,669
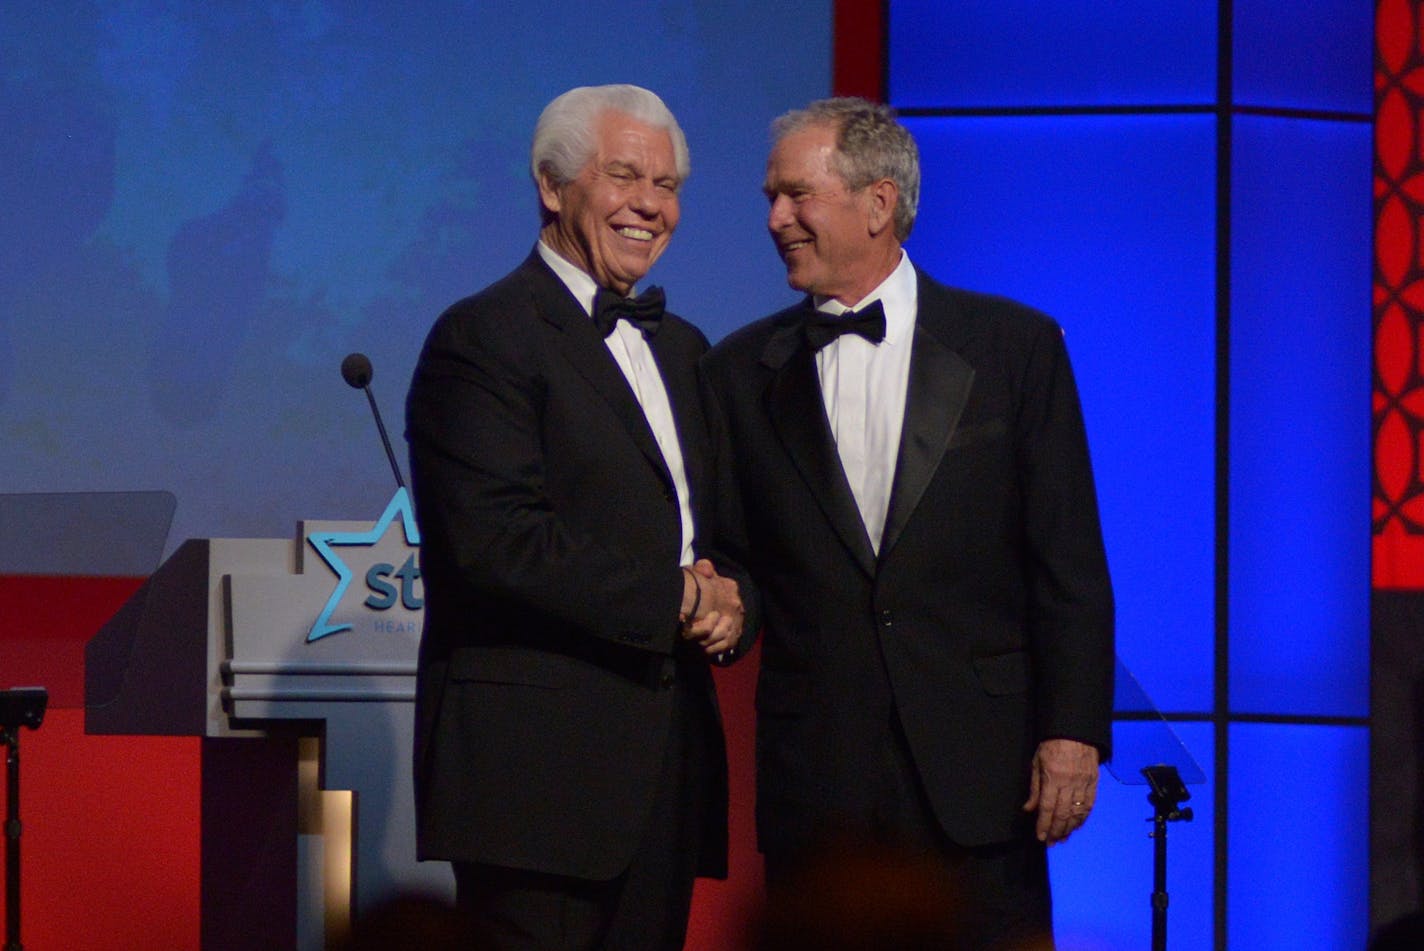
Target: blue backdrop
x,y
204,207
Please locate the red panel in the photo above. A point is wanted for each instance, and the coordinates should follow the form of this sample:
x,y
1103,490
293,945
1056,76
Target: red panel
x,y
110,843
858,40
48,621
110,848
1398,398
1398,560
721,910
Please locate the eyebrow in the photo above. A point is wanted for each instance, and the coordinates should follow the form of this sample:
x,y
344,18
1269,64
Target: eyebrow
x,y
784,185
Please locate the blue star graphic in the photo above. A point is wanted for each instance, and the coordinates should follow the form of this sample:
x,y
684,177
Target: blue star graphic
x,y
323,542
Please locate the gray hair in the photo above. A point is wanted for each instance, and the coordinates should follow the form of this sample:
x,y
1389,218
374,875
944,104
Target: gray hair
x,y
564,139
871,144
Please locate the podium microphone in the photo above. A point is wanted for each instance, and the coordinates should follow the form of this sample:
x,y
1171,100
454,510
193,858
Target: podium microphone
x,y
357,372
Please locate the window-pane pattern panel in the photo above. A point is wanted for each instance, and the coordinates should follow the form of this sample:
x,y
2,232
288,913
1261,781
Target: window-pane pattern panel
x,y
1300,417
1051,53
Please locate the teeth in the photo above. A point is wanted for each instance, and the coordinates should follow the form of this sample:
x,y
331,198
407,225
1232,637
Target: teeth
x,y
638,234
794,245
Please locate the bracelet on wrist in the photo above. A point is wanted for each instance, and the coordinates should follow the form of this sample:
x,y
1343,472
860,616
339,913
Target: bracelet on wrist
x,y
696,597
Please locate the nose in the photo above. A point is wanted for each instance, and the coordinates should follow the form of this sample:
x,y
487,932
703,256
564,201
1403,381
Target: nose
x,y
645,199
779,216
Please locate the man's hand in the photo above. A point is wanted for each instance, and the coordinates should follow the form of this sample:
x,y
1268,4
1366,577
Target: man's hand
x,y
1062,787
716,624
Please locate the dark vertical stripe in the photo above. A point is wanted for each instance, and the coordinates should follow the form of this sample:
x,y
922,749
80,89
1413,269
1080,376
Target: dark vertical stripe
x,y
1222,700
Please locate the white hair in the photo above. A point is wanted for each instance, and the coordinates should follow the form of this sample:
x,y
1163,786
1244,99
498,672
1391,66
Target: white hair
x,y
565,137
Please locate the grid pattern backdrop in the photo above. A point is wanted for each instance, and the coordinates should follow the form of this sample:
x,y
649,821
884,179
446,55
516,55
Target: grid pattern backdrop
x,y
1186,187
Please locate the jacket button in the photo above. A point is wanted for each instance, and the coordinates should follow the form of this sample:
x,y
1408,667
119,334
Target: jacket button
x,y
887,619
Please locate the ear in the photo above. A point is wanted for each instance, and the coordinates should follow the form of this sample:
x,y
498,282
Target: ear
x,y
882,197
549,192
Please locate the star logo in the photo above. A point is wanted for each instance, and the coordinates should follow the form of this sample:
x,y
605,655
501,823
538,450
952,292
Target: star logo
x,y
325,542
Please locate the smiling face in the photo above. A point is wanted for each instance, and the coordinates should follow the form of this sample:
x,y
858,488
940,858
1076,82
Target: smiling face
x,y
615,218
834,241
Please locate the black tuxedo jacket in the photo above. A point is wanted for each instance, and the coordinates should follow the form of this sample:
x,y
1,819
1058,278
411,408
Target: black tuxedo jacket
x,y
986,621
550,539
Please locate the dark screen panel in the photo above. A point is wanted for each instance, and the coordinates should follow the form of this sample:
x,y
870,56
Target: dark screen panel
x,y
1103,223
1051,53
1315,55
1300,417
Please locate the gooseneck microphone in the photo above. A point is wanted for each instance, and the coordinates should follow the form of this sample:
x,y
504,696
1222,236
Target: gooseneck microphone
x,y
357,372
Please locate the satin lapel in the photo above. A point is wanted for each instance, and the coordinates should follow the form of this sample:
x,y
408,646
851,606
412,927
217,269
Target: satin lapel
x,y
586,352
940,380
798,414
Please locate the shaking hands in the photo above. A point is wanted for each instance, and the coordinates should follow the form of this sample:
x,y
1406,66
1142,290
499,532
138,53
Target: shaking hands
x,y
712,612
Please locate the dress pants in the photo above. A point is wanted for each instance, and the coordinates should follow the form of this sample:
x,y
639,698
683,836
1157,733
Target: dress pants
x,y
999,893
645,908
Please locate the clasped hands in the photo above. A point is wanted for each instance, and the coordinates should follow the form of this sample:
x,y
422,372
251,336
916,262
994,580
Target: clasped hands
x,y
712,612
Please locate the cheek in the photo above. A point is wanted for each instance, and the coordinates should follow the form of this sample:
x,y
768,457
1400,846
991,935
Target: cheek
x,y
599,204
672,214
814,225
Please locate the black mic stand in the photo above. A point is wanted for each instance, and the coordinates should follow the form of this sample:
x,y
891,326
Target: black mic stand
x,y
23,706
1168,792
356,370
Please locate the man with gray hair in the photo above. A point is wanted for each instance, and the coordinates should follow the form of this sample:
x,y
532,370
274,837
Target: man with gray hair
x,y
917,510
569,758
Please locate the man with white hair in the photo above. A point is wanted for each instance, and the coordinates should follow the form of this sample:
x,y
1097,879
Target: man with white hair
x,y
569,757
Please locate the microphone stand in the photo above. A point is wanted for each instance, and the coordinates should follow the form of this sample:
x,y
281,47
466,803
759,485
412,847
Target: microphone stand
x,y
1168,792
385,440
20,706
357,372
10,738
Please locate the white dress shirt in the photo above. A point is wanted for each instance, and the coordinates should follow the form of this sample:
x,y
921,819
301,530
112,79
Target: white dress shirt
x,y
635,359
863,385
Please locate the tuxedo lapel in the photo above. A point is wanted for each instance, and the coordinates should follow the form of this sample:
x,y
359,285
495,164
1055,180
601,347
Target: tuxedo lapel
x,y
798,414
939,385
587,353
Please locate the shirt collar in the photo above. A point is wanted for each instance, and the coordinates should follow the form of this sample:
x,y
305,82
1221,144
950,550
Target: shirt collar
x,y
580,284
898,294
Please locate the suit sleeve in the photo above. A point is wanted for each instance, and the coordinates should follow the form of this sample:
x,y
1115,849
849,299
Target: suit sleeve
x,y
478,467
1071,606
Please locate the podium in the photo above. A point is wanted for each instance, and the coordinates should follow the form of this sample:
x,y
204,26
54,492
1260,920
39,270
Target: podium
x,y
294,660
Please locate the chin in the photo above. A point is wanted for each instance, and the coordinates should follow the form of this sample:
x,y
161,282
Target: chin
x,y
800,278
634,273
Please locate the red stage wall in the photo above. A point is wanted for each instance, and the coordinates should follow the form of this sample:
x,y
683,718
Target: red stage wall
x,y
109,849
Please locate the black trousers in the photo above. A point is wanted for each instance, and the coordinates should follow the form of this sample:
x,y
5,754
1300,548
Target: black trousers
x,y
643,909
992,897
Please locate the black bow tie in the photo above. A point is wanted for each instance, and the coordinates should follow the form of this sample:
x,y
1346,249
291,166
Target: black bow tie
x,y
644,311
821,328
